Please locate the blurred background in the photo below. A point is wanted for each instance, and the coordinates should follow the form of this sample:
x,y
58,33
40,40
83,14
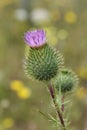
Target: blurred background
x,y
65,22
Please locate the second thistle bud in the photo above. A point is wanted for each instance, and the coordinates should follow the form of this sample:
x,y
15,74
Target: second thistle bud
x,y
66,80
42,62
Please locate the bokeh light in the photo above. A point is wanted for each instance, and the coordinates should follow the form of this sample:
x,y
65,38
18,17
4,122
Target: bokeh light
x,y
70,17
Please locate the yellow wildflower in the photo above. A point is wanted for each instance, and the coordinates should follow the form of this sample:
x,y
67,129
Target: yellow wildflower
x,y
70,17
24,93
81,93
82,72
16,85
8,122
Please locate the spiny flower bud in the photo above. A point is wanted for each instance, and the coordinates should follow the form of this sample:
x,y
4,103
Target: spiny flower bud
x,y
42,61
66,80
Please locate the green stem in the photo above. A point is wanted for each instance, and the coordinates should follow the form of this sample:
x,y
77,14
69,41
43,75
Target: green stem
x,y
51,90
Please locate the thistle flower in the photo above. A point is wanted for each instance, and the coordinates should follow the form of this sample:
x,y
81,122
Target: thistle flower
x,y
65,80
42,62
35,38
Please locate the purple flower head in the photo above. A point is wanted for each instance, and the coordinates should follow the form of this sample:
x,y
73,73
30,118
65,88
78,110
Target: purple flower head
x,y
35,38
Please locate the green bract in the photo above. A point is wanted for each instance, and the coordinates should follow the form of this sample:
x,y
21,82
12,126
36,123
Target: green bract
x,y
65,80
43,63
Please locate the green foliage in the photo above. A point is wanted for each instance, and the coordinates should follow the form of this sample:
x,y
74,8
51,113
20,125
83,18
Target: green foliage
x,y
43,63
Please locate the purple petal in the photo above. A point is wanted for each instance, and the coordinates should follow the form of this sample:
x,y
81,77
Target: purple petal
x,y
35,38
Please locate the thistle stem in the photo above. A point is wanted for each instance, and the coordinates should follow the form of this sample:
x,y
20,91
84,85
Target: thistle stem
x,y
62,108
51,90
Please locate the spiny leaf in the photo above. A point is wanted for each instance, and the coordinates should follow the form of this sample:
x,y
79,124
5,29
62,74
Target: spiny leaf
x,y
43,114
66,102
